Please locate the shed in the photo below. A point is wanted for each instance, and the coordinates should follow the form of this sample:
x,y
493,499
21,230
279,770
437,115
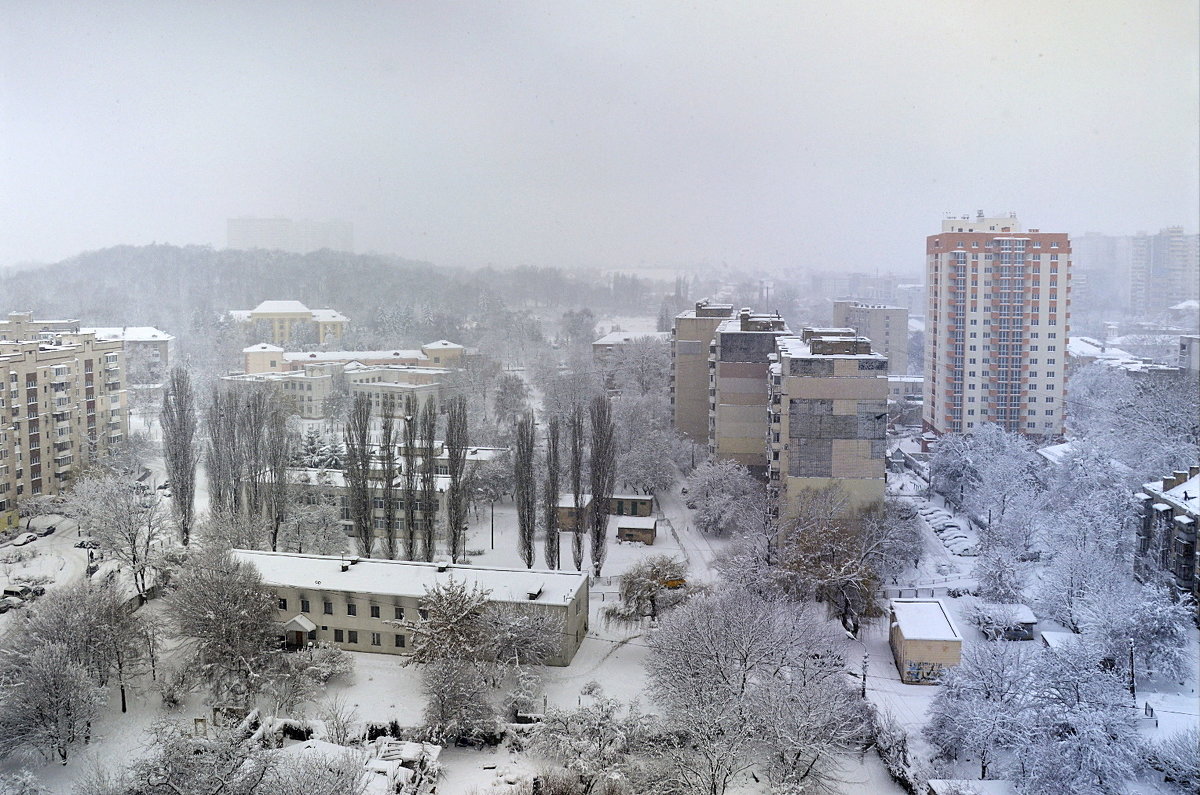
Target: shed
x,y
566,511
631,505
924,640
635,528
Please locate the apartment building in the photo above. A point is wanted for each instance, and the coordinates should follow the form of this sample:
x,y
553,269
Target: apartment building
x,y
62,403
1167,534
691,343
886,326
368,604
828,416
147,350
739,363
997,325
1189,353
284,322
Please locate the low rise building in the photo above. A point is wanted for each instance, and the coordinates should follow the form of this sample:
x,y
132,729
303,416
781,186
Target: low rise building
x,y
442,354
643,529
1167,534
368,604
610,345
284,322
1082,351
1189,353
924,640
828,416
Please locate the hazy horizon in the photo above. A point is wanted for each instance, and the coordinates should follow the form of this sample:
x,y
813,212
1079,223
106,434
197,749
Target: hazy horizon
x,y
616,135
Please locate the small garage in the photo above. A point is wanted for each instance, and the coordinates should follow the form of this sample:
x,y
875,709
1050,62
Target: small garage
x,y
924,640
643,529
631,505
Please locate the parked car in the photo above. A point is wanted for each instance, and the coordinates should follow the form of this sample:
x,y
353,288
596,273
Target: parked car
x,y
24,539
47,530
11,603
23,591
87,543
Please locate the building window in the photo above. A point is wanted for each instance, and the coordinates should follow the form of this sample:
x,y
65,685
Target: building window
x,y
328,608
339,636
376,639
353,636
375,613
399,641
399,613
423,613
351,609
305,606
283,604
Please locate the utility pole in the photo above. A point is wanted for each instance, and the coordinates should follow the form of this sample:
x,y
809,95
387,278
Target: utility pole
x,y
866,659
1132,676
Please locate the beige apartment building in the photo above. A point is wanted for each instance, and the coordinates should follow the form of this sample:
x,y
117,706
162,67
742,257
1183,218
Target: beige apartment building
x,y
828,417
740,360
368,604
997,326
1167,535
886,327
62,403
292,322
691,343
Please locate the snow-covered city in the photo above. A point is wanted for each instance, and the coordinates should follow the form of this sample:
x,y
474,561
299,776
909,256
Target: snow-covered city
x,y
549,492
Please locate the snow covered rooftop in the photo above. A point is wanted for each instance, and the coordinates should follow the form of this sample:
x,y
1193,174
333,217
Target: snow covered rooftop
x,y
634,522
263,347
329,316
1185,306
625,337
348,356
924,619
1185,493
954,786
1020,613
445,345
277,307
411,578
128,333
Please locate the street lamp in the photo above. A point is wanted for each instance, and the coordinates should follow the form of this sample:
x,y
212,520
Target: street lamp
x,y
865,662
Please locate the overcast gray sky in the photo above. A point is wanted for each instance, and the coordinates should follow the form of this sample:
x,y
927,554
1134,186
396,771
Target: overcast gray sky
x,y
605,133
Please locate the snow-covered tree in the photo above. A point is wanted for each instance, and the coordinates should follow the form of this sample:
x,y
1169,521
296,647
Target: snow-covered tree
x,y
602,467
652,585
222,612
451,623
456,703
125,521
181,446
525,487
595,741
746,679
48,704
723,491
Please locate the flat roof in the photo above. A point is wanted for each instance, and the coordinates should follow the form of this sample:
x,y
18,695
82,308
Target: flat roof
x,y
924,619
634,522
410,578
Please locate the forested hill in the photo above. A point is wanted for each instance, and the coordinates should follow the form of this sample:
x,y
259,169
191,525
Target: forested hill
x,y
162,285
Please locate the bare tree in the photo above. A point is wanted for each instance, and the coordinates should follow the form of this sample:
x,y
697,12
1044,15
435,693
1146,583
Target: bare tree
x,y
429,503
358,472
603,473
180,430
575,426
221,458
388,470
410,478
251,429
279,447
526,488
550,496
457,439
123,519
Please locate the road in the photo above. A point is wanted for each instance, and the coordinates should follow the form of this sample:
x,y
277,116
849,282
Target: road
x,y
700,550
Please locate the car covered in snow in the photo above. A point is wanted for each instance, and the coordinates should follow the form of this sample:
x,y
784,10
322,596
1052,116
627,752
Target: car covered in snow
x,y
24,539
